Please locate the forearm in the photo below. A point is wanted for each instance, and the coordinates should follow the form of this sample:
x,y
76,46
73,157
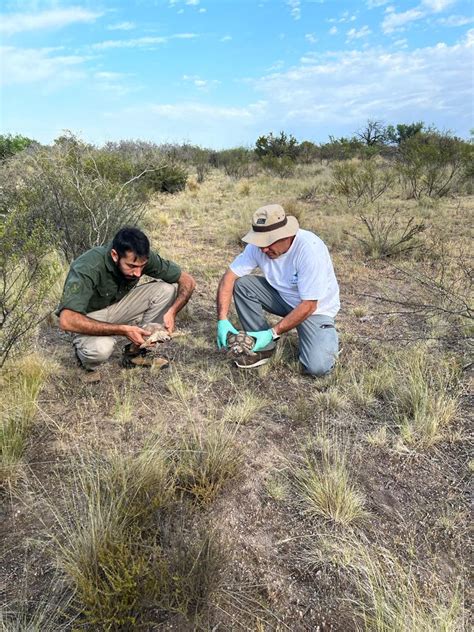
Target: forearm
x,y
296,316
224,294
186,286
77,323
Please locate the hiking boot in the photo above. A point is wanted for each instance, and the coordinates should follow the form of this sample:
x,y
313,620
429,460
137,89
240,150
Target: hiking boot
x,y
256,359
142,357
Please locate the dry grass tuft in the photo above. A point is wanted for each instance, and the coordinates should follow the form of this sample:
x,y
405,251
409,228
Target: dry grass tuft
x,y
244,408
325,489
206,460
387,595
20,386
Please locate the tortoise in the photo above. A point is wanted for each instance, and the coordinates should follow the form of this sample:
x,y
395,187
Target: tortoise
x,y
158,334
240,344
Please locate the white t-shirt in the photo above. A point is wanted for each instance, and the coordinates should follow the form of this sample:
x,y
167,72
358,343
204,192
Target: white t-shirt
x,y
304,272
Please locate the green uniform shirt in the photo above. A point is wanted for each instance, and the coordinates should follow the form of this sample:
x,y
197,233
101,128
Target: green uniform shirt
x,y
94,281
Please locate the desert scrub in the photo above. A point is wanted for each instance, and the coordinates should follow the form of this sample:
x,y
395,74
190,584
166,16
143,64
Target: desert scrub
x,y
387,234
362,181
324,487
20,385
206,459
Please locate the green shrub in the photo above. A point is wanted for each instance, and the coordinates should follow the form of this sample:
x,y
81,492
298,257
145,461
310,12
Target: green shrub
x,y
11,145
432,163
281,167
62,189
282,146
362,181
236,163
28,270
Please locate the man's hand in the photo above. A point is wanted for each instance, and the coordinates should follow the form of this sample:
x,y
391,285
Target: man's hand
x,y
136,334
169,320
263,338
223,328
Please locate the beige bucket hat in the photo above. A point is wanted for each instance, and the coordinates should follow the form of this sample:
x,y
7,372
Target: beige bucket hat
x,y
269,224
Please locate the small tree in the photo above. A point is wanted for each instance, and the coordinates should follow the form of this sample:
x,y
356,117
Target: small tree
x,y
403,132
373,133
282,146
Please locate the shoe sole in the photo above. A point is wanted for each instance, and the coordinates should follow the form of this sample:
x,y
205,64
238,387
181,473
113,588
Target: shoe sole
x,y
252,366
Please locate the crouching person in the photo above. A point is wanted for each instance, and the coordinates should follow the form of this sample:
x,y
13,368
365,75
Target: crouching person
x,y
102,302
298,284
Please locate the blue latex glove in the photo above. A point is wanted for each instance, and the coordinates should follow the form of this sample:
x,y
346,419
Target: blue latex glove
x,y
223,328
263,338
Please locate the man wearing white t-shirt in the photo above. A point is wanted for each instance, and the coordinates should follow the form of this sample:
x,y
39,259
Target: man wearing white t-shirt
x,y
298,284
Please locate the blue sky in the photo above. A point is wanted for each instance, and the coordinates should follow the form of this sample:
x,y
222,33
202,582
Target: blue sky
x,y
219,73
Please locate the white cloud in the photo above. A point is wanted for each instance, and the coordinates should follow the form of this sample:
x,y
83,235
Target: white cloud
x,y
372,4
192,2
197,81
30,65
295,8
436,6
226,38
122,26
333,30
141,42
393,20
56,18
456,20
311,38
357,34
347,87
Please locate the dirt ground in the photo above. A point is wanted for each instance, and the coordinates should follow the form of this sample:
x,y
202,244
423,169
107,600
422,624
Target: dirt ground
x,y
277,574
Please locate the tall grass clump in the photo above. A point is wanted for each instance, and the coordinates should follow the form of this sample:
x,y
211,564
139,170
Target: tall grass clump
x,y
391,598
123,546
99,535
206,460
325,488
425,396
20,387
384,592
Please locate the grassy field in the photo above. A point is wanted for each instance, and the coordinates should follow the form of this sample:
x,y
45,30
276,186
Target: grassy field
x,y
208,498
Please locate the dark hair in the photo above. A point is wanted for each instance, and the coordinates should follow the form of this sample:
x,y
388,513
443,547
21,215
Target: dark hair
x,y
131,239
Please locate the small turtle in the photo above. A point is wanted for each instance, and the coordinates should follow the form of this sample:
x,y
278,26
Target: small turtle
x,y
158,334
240,344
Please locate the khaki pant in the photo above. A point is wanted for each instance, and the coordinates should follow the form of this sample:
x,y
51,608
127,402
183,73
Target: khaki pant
x,y
144,304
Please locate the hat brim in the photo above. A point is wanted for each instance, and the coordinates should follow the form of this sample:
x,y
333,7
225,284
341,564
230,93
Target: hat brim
x,y
265,239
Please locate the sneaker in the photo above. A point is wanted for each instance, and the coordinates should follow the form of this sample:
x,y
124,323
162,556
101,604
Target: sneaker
x,y
256,359
142,357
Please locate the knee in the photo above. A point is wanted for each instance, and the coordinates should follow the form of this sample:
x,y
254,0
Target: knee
x,y
318,367
242,285
163,291
98,350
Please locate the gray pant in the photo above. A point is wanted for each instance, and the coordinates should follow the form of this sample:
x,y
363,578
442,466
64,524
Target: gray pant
x,y
318,340
144,304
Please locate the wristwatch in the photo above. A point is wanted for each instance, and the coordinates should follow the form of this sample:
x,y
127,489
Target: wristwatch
x,y
275,336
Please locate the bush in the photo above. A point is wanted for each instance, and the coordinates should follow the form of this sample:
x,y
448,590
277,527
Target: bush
x,y
362,181
144,165
62,189
28,269
281,167
11,145
282,146
433,163
236,163
387,234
